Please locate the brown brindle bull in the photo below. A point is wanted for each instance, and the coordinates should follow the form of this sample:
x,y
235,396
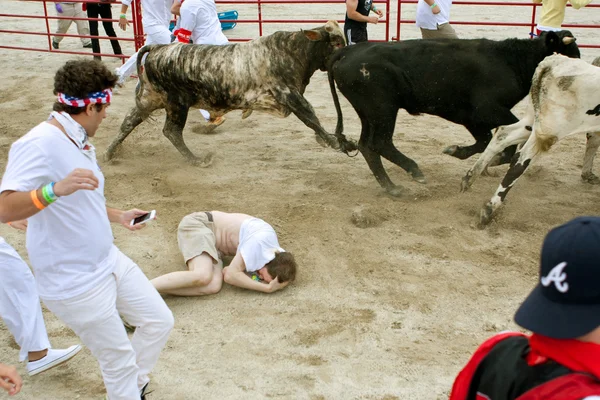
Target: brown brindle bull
x,y
267,74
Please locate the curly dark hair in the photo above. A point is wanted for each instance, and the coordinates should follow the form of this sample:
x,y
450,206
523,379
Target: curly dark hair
x,y
283,266
79,78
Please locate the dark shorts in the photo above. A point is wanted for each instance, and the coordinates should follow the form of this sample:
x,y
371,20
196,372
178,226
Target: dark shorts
x,y
355,35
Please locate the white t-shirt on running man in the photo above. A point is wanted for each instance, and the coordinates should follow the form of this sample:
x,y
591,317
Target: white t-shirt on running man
x,y
258,243
200,17
70,242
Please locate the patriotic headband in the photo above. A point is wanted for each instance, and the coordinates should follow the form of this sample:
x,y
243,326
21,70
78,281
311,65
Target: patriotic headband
x,y
102,97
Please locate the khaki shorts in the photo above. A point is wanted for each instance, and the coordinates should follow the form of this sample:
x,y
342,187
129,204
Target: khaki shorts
x,y
444,31
196,235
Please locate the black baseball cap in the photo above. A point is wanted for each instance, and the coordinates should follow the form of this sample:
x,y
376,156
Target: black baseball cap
x,y
566,302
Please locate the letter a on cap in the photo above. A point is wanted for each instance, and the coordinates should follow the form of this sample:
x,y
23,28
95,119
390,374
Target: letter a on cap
x,y
557,276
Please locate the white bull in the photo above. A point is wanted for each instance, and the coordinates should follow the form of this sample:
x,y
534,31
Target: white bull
x,y
564,100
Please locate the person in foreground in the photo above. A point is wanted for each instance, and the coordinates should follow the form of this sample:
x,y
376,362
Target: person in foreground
x,y
52,179
205,236
21,312
560,360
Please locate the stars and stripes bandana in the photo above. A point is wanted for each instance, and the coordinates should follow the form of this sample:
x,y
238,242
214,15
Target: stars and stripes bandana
x,y
102,97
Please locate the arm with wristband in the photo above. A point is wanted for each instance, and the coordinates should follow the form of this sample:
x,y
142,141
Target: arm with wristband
x,y
376,10
433,5
17,205
123,23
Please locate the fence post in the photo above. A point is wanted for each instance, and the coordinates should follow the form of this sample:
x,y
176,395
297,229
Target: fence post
x,y
260,27
138,28
47,26
532,20
388,14
398,20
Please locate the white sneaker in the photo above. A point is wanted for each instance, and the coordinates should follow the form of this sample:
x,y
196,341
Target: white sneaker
x,y
121,80
52,359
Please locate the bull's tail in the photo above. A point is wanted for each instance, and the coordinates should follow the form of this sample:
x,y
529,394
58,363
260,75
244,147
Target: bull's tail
x,y
141,58
543,141
339,128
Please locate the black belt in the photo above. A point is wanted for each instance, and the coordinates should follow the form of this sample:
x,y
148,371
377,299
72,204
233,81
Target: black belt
x,y
209,215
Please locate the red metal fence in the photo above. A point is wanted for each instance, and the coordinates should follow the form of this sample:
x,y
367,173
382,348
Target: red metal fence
x,y
260,8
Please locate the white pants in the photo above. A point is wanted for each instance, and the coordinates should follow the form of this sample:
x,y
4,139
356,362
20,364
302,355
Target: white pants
x,y
72,10
20,304
94,317
155,35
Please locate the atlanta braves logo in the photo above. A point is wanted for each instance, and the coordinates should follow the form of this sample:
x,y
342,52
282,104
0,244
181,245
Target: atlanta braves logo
x,y
558,277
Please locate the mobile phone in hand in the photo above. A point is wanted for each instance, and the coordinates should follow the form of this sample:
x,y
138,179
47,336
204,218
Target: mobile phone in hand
x,y
142,219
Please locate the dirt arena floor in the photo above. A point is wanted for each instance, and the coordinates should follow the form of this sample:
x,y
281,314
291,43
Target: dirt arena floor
x,y
387,311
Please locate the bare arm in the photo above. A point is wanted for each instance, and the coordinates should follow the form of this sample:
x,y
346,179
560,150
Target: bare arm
x,y
433,6
176,7
123,23
124,217
235,275
355,15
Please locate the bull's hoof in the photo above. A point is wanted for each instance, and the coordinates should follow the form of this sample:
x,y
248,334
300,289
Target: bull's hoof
x,y
590,178
451,150
466,182
418,176
321,141
108,155
205,160
485,216
246,113
395,191
348,146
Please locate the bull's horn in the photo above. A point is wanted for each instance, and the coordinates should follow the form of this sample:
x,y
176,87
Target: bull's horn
x,y
568,39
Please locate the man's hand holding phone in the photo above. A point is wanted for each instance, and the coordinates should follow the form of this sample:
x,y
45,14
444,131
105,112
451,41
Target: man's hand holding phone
x,y
136,219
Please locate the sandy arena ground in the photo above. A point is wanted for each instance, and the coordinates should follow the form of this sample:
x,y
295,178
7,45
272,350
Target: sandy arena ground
x,y
391,311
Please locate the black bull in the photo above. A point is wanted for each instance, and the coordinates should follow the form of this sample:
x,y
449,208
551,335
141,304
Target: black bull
x,y
267,74
474,83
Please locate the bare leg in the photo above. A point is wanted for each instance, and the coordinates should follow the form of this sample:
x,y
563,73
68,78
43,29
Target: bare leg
x,y
204,277
593,142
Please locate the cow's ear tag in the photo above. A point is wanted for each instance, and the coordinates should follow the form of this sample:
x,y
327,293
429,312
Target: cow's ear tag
x,y
312,35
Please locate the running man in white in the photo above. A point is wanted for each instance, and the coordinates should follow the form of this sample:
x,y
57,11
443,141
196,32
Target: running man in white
x,y
21,311
53,180
156,17
199,22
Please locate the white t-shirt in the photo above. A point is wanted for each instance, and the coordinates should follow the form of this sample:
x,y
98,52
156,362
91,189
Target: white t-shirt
x,y
200,17
154,12
426,19
70,242
258,243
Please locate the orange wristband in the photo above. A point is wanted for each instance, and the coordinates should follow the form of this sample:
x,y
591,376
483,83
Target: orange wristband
x,y
36,202
9,223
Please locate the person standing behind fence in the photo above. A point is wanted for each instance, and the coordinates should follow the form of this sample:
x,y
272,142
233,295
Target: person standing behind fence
x,y
553,13
433,18
104,10
357,17
67,9
156,17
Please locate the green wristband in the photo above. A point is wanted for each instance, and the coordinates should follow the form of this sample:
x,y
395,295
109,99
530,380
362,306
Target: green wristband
x,y
123,16
433,6
46,195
